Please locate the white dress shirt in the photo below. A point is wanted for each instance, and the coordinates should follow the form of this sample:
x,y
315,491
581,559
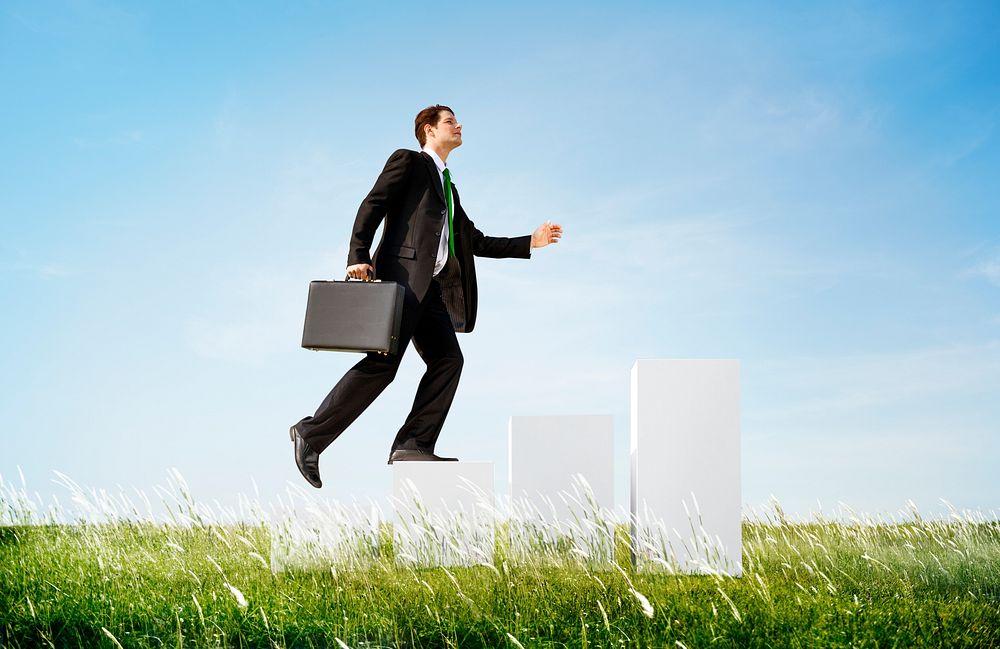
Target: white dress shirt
x,y
442,256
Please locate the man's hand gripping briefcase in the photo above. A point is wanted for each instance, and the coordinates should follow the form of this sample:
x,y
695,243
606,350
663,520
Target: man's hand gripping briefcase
x,y
359,316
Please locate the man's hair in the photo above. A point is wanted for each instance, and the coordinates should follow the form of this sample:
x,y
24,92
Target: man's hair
x,y
429,115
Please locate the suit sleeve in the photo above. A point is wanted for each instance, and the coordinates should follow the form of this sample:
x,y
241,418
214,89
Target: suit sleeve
x,y
499,247
388,188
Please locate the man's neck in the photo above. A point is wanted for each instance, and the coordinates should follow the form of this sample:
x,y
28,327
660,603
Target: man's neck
x,y
442,153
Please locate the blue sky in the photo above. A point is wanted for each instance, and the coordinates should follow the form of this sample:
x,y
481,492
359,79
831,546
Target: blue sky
x,y
809,189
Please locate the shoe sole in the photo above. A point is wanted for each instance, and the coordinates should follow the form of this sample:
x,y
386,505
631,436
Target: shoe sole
x,y
421,460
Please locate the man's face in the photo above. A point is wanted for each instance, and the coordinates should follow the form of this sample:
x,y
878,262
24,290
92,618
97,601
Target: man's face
x,y
448,132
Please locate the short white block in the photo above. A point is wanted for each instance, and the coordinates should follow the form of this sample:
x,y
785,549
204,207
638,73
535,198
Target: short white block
x,y
561,471
444,513
312,534
685,451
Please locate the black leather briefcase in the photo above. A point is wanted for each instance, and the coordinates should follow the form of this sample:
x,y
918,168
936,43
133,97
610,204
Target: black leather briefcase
x,y
353,316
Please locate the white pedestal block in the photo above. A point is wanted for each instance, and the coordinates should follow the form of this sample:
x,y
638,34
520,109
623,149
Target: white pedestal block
x,y
312,534
685,448
561,471
444,513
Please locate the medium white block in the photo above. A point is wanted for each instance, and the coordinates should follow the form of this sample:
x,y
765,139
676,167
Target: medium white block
x,y
561,471
444,513
685,451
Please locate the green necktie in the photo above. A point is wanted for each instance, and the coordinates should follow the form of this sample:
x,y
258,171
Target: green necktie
x,y
451,210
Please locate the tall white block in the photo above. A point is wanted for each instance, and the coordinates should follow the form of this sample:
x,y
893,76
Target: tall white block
x,y
444,513
685,448
561,471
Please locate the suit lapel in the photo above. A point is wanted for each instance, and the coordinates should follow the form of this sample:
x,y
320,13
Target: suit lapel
x,y
435,177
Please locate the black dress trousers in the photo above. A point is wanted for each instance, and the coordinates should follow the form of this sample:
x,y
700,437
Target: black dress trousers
x,y
429,326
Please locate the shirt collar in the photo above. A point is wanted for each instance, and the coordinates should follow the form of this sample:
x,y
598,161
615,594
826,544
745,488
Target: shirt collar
x,y
438,162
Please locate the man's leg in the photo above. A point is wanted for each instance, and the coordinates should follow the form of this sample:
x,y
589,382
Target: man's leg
x,y
359,387
434,339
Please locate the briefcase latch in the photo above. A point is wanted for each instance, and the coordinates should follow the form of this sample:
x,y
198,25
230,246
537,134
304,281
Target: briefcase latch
x,y
392,337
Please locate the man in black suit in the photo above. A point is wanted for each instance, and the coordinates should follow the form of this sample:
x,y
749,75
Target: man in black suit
x,y
428,246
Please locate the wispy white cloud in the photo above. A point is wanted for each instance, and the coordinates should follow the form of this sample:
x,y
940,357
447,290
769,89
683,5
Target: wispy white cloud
x,y
914,424
988,269
777,119
256,313
53,270
42,269
127,136
98,21
818,388
969,144
235,341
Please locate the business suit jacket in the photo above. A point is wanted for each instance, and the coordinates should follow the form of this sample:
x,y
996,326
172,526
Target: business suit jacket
x,y
408,195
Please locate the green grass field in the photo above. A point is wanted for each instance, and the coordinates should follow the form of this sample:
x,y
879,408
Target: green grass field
x,y
195,583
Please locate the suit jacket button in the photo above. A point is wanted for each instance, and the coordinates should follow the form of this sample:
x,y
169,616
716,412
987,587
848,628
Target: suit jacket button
x,y
437,234
444,212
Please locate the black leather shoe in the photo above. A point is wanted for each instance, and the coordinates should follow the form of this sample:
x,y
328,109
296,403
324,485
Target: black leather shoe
x,y
305,458
411,455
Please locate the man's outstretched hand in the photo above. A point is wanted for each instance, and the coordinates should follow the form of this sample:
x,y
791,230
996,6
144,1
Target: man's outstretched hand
x,y
546,233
